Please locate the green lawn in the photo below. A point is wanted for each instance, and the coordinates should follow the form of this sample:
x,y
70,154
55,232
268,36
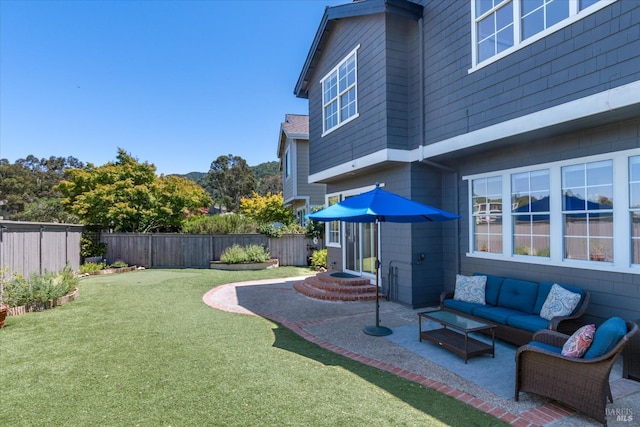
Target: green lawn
x,y
142,349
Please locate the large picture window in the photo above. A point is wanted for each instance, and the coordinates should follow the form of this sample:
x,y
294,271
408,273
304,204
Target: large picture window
x,y
339,93
505,25
581,213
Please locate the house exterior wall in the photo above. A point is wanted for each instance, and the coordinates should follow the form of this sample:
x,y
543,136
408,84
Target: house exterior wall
x,y
288,182
313,192
594,54
418,88
344,141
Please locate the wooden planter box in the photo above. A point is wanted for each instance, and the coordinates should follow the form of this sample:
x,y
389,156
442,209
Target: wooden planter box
x,y
219,265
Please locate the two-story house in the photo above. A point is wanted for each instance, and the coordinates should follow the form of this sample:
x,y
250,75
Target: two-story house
x,y
293,153
521,116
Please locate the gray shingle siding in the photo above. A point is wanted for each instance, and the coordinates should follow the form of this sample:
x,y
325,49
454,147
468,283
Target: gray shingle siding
x,y
592,55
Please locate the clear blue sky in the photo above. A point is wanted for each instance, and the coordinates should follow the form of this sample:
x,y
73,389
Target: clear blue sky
x,y
174,83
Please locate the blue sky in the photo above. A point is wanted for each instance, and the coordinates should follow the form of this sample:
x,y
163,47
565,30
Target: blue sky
x,y
174,83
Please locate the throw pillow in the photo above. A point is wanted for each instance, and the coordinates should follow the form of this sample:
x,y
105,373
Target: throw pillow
x,y
470,288
578,344
559,302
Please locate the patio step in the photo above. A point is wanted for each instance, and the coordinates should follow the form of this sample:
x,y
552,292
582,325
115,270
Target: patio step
x,y
326,286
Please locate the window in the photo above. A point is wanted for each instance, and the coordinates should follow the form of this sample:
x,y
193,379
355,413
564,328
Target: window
x,y
333,234
580,213
505,25
587,210
300,214
634,207
287,163
339,94
530,212
487,212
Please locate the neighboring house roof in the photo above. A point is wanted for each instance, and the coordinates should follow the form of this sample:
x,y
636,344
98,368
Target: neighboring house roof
x,y
350,10
295,126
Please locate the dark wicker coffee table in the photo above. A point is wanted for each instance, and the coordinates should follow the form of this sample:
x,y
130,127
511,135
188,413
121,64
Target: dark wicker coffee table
x,y
454,334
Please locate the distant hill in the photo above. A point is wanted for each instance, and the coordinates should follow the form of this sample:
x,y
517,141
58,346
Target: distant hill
x,y
267,175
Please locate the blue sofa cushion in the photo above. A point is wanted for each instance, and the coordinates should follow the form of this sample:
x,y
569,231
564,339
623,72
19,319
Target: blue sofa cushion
x,y
518,295
463,306
528,322
543,293
495,314
546,347
492,288
606,337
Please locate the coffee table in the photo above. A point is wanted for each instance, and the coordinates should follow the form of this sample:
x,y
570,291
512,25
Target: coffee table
x,y
454,334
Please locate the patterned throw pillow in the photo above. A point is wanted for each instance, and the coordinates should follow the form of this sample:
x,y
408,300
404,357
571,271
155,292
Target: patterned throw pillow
x,y
578,344
559,302
470,288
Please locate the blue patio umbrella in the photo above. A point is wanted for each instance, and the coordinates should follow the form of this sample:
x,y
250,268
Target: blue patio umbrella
x,y
376,206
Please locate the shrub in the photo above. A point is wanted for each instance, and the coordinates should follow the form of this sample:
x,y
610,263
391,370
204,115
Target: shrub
x,y
237,254
219,224
90,267
319,259
119,264
89,247
39,288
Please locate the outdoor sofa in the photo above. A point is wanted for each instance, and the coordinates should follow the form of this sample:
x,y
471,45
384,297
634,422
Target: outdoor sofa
x,y
515,306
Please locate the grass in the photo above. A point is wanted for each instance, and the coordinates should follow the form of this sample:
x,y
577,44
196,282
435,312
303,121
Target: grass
x,y
142,349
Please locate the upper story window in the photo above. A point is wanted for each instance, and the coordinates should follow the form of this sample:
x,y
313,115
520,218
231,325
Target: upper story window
x,y
502,26
287,163
340,93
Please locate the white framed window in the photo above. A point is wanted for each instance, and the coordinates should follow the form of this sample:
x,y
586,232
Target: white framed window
x,y
340,93
587,211
333,227
634,207
500,27
580,213
530,213
287,163
487,214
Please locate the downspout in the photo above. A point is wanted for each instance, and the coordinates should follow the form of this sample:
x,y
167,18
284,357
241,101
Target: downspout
x,y
423,135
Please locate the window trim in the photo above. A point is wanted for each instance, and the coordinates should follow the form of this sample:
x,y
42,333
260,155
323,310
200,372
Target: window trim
x,y
622,262
335,69
574,16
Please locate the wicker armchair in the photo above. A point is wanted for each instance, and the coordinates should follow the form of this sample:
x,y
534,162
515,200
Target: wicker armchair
x,y
580,383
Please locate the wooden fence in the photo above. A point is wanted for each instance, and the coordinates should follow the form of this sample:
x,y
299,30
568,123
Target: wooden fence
x,y
36,248
168,250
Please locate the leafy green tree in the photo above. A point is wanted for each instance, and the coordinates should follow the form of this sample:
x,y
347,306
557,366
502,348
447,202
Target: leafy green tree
x,y
31,182
229,180
266,209
127,196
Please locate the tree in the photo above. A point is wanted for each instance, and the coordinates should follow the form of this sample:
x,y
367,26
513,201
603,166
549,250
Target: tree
x,y
229,180
270,184
127,196
32,181
266,209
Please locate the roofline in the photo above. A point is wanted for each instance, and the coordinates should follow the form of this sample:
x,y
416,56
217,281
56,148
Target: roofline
x,y
350,10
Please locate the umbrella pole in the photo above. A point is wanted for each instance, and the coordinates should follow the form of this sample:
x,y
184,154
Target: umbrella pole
x,y
377,330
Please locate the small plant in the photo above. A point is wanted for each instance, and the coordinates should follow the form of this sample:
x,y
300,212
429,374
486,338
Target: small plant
x,y
237,254
90,267
319,259
119,264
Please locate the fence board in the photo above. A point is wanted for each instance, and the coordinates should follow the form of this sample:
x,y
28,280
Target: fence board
x,y
35,248
171,250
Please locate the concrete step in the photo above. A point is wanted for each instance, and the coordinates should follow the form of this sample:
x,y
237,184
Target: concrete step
x,y
322,294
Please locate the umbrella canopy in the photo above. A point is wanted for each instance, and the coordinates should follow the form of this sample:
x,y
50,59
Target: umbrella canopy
x,y
383,206
379,205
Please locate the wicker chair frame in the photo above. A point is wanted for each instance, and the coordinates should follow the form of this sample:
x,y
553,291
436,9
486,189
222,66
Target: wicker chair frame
x,y
582,384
